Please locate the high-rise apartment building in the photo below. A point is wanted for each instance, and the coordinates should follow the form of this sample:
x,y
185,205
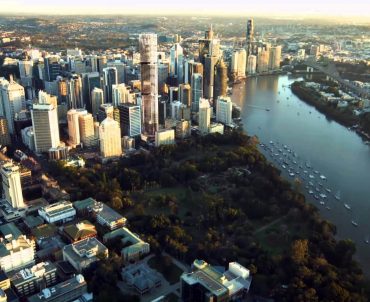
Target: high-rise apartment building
x,y
224,110
220,82
196,91
45,125
87,132
97,99
130,119
149,81
177,62
110,78
204,118
11,181
239,63
12,101
110,138
275,58
74,126
252,65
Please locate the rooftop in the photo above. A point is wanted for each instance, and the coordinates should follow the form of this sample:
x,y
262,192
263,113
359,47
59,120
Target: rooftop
x,y
10,229
86,248
37,271
57,208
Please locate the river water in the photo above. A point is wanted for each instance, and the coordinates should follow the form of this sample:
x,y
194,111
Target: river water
x,y
329,148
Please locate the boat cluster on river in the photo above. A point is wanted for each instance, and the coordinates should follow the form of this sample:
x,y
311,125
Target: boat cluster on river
x,y
301,171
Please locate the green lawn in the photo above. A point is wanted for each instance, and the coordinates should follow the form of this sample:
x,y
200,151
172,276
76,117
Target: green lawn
x,y
166,267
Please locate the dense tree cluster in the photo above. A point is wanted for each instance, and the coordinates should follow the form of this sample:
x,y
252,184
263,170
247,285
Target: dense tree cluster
x,y
228,190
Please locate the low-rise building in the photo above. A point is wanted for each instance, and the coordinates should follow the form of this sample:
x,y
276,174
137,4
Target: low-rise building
x,y
30,280
206,283
107,217
66,291
133,248
216,128
16,253
58,212
79,231
164,137
83,253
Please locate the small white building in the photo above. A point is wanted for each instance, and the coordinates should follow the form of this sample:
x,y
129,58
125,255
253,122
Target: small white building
x,y
58,212
164,137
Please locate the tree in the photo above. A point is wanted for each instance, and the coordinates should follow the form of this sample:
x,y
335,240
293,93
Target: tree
x,y
299,251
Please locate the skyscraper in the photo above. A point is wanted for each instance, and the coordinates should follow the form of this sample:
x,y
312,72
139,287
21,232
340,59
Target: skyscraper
x,y
90,81
87,133
130,119
97,99
73,126
4,132
220,85
45,125
192,67
252,65
275,58
52,68
75,92
149,81
209,76
196,90
110,78
177,62
204,119
239,63
185,94
263,59
12,188
224,110
110,138
12,101
120,94
249,36
105,110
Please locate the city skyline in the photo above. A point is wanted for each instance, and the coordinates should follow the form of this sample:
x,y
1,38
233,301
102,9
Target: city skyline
x,y
272,8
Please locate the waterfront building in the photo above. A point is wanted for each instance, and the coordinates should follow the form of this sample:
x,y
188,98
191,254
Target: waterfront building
x,y
149,82
59,212
224,110
239,63
11,183
275,58
164,137
263,58
252,65
220,81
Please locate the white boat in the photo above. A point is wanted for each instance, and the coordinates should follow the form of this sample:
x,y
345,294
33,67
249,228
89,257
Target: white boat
x,y
311,176
337,195
354,223
328,190
322,177
322,203
323,195
310,192
367,240
347,206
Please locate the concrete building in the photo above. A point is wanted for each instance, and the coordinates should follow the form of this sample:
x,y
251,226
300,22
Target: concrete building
x,y
220,81
12,101
164,137
31,280
11,182
75,97
28,138
252,65
105,110
45,124
239,63
16,253
74,127
149,82
183,129
87,132
110,78
206,283
120,94
110,138
107,217
196,91
217,128
177,62
275,58
59,212
185,94
204,118
4,132
79,231
69,290
263,58
133,247
97,99
83,253
224,110
130,119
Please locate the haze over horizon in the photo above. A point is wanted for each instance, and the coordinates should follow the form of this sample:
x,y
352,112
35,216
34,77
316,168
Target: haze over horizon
x,y
314,8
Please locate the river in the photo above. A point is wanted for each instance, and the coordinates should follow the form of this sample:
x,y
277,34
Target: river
x,y
331,149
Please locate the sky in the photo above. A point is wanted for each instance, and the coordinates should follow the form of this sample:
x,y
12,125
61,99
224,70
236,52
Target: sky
x,y
333,8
